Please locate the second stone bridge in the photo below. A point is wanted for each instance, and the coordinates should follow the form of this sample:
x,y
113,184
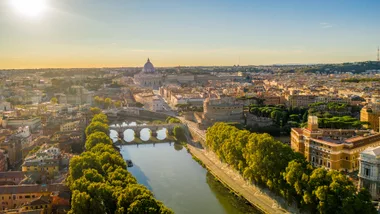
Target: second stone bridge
x,y
137,129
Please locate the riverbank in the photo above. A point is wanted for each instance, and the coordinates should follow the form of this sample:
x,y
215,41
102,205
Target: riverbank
x,y
235,182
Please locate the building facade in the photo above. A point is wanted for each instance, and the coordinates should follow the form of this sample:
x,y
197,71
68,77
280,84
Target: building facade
x,y
148,77
369,171
3,161
337,149
224,109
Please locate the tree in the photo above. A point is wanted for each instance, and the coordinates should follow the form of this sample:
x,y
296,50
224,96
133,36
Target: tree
x,y
100,118
97,127
95,110
99,101
172,120
100,182
117,104
179,134
107,102
54,100
80,203
96,138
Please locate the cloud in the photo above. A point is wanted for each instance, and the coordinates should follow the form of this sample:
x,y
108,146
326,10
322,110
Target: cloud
x,y
325,25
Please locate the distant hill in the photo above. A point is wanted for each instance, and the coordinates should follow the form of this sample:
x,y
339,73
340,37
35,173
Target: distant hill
x,y
356,67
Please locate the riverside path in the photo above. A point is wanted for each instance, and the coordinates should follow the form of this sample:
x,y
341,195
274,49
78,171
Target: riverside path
x,y
235,182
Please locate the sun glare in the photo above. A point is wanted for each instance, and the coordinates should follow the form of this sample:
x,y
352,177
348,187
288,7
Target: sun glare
x,y
30,8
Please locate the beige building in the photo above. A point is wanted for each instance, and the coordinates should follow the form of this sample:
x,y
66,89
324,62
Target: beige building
x,y
220,110
70,126
336,149
300,100
371,113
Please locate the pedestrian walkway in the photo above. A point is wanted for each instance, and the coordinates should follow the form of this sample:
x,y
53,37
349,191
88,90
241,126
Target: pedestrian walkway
x,y
236,182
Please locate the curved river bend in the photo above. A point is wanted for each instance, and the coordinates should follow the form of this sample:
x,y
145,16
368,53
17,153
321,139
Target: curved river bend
x,y
169,171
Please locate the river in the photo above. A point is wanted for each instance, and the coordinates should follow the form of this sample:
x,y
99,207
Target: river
x,y
169,171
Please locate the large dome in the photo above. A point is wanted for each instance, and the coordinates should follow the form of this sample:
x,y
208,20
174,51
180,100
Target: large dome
x,y
148,67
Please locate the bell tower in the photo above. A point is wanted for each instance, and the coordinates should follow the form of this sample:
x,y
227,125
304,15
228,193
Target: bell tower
x,y
312,123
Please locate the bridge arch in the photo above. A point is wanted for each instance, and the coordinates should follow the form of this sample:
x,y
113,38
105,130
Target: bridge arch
x,y
143,132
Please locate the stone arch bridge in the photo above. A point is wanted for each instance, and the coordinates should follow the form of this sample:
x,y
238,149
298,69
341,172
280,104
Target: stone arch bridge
x,y
137,129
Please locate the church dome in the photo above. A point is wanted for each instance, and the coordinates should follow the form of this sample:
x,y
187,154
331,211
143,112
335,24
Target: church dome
x,y
148,67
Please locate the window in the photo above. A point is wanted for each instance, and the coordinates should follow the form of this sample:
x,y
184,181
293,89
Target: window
x,y
367,172
328,164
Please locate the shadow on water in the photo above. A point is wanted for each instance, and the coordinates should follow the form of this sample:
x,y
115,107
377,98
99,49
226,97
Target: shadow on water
x,y
136,170
140,176
230,202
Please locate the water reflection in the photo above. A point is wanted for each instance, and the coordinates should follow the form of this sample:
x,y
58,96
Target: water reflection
x,y
178,146
230,202
177,180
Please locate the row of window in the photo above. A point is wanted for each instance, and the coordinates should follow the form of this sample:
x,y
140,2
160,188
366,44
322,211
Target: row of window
x,y
19,197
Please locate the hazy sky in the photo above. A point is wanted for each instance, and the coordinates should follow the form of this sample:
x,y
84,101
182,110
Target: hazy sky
x,y
97,33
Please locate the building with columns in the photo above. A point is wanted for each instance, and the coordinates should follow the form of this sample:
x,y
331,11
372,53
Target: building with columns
x,y
148,77
369,171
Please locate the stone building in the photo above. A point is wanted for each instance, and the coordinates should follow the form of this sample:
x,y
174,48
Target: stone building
x,y
336,149
13,149
148,77
224,109
369,171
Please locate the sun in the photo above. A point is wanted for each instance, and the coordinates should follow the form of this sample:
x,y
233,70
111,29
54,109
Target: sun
x,y
30,8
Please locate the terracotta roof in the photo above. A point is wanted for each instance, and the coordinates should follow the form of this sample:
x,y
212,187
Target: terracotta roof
x,y
25,189
42,200
11,174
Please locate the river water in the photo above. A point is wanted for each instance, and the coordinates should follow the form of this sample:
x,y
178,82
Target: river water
x,y
169,171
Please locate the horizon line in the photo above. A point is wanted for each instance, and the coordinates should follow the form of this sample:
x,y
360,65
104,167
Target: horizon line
x,y
189,66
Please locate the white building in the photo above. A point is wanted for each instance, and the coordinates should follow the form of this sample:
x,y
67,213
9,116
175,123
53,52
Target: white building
x,y
369,171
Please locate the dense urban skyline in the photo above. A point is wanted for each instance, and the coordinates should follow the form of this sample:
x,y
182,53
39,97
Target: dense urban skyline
x,y
124,33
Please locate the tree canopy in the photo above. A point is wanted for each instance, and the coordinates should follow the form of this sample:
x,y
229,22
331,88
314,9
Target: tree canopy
x,y
100,182
265,161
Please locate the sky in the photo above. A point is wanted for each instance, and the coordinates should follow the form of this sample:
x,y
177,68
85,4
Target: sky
x,y
124,33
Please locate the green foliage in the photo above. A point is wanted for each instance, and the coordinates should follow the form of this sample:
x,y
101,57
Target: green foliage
x,y
97,127
54,100
345,122
172,120
179,134
95,110
265,161
100,118
358,80
279,114
96,138
100,182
